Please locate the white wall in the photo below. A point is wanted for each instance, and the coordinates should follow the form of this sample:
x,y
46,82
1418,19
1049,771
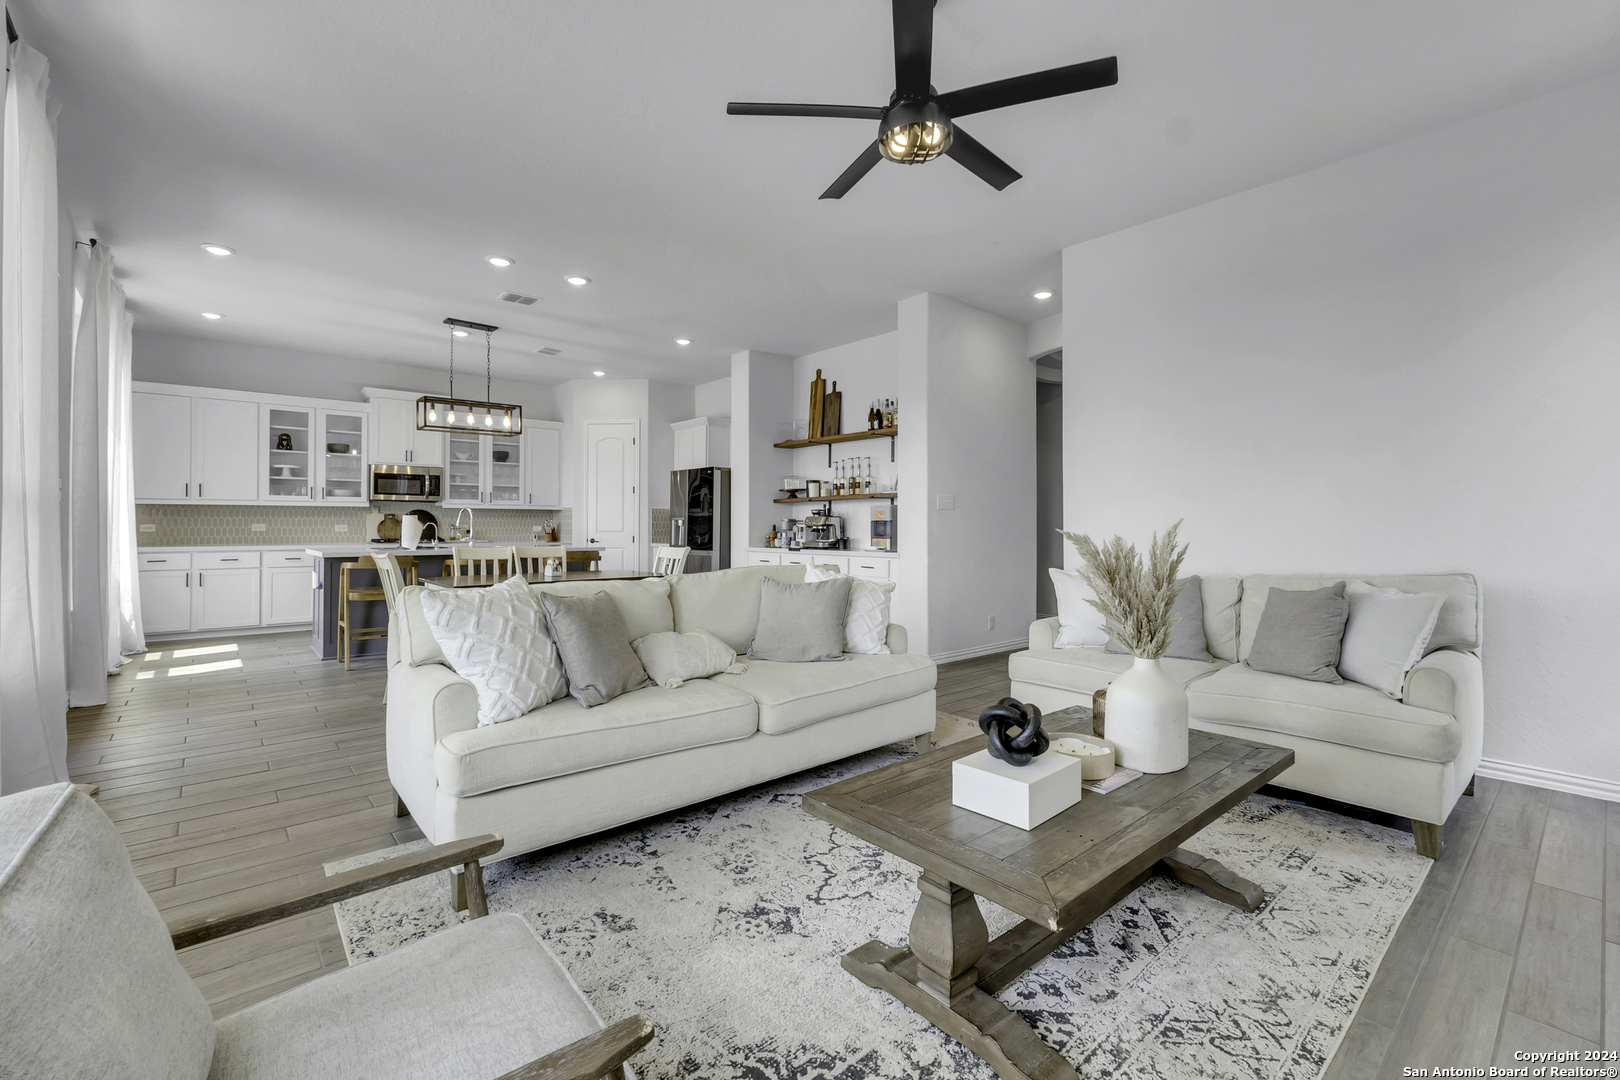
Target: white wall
x,y
1405,361
761,398
1044,335
712,398
189,361
864,370
584,400
968,433
666,404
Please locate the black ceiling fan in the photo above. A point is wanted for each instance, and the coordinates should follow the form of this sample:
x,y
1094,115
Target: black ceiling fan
x,y
917,123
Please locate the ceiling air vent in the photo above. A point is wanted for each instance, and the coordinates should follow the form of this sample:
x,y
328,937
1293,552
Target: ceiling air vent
x,y
548,351
519,298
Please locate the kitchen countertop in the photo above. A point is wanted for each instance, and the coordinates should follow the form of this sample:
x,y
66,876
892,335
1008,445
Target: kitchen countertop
x,y
827,551
350,551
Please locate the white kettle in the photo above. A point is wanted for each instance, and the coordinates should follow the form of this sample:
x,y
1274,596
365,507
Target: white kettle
x,y
410,532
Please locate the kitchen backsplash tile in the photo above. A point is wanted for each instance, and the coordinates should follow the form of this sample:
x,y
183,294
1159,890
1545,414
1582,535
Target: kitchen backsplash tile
x,y
660,524
232,526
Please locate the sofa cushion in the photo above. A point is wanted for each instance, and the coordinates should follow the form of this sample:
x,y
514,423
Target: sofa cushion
x,y
1222,595
725,602
89,982
793,696
496,639
801,623
1087,670
1348,714
1187,639
1301,633
1458,626
595,647
475,1001
565,737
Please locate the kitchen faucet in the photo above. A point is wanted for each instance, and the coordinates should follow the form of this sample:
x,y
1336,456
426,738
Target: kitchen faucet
x,y
457,526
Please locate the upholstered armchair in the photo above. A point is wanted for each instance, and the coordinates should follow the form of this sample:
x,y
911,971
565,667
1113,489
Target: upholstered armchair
x,y
90,985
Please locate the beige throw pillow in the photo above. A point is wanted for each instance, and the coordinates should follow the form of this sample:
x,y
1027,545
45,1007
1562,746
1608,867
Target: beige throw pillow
x,y
866,620
671,658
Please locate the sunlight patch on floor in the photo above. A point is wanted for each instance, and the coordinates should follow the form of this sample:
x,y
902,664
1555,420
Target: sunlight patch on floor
x,y
200,669
204,650
154,656
145,674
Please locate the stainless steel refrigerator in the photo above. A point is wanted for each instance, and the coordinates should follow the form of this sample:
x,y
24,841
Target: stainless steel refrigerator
x,y
700,517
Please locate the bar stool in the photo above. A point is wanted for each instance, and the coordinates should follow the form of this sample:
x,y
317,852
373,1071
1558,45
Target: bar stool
x,y
478,562
349,594
532,560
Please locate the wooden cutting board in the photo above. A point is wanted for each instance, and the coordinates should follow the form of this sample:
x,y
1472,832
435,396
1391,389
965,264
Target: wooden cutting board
x,y
818,392
832,409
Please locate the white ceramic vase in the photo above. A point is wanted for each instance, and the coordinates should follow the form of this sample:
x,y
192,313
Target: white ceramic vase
x,y
410,532
1147,719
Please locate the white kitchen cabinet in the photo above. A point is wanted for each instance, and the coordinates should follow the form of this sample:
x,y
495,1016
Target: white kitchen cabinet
x,y
225,599
394,437
225,450
287,434
466,468
341,450
764,558
542,449
161,434
288,585
165,601
876,569
702,442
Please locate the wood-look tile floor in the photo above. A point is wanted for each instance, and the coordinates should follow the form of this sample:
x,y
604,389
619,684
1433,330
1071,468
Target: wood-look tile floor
x,y
229,781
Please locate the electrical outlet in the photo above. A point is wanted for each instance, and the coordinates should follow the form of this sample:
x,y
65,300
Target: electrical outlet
x,y
944,502
992,625
343,528
148,528
257,526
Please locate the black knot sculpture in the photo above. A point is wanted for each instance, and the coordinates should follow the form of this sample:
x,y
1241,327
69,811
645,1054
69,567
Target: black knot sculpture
x,y
1015,731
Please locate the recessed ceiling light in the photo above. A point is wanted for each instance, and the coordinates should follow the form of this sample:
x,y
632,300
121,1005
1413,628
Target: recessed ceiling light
x,y
218,249
212,315
500,260
577,279
458,333
683,341
1044,294
599,374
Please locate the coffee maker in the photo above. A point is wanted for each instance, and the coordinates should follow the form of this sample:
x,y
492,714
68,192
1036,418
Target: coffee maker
x,y
822,531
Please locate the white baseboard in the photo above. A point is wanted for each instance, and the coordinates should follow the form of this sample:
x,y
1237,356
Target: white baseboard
x,y
245,631
979,650
1575,784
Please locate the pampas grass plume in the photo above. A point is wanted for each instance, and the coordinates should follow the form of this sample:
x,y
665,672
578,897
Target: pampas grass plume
x,y
1135,599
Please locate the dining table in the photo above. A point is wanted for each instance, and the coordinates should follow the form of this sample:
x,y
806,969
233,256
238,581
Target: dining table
x,y
484,581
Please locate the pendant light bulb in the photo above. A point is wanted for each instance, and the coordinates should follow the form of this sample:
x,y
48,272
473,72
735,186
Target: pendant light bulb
x,y
433,415
506,420
471,419
489,419
450,417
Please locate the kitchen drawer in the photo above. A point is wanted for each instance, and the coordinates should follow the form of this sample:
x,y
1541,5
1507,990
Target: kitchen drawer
x,y
167,560
795,558
877,569
225,560
764,558
836,562
287,558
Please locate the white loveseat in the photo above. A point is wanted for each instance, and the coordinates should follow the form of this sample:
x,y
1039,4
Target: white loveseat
x,y
563,771
1413,757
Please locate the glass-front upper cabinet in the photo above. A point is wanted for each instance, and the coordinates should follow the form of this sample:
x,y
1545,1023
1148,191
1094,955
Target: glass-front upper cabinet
x,y
342,453
505,471
464,468
286,434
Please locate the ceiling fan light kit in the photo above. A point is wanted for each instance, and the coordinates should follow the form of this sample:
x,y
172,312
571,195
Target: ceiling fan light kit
x,y
446,412
918,124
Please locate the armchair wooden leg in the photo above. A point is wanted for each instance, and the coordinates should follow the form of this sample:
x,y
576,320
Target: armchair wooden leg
x,y
477,902
400,809
1427,836
458,890
1469,790
925,743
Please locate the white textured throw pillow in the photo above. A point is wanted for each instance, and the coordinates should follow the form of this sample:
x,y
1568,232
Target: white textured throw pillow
x,y
1385,635
496,639
672,658
1078,622
866,621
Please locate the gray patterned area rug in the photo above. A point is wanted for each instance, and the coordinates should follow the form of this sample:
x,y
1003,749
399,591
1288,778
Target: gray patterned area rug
x,y
724,924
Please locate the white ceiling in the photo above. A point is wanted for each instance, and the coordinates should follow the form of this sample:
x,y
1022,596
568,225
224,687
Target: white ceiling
x,y
364,157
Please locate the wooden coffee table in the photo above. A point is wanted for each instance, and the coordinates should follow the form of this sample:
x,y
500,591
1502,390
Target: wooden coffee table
x,y
1059,876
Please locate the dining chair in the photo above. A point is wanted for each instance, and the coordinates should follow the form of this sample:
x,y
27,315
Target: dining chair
x,y
532,560
669,561
396,572
478,562
350,594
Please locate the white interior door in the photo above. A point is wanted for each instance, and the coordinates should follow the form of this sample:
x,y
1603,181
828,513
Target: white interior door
x,y
612,498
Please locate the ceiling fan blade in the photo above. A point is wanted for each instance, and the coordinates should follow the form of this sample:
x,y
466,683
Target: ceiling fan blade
x,y
972,155
764,108
913,47
1034,87
852,175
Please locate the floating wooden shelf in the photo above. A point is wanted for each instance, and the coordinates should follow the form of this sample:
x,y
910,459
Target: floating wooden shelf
x,y
831,498
827,440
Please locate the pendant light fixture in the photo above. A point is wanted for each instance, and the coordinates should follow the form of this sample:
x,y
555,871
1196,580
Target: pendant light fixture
x,y
435,412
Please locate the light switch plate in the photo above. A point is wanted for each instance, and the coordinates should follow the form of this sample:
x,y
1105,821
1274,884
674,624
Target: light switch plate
x,y
944,502
345,528
257,526
148,528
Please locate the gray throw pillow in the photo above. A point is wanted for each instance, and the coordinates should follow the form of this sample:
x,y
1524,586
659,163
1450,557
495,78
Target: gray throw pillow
x,y
594,645
801,623
1301,632
1187,635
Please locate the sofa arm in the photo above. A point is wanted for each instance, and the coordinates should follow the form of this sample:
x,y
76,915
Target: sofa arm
x,y
424,705
897,640
1452,681
1043,633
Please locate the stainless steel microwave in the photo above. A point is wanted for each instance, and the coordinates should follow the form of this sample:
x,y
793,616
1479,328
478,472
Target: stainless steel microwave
x,y
406,483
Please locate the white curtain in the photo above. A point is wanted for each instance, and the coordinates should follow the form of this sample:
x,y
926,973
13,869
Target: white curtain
x,y
33,685
103,612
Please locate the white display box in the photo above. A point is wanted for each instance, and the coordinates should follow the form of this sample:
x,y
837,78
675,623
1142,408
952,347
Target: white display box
x,y
1024,796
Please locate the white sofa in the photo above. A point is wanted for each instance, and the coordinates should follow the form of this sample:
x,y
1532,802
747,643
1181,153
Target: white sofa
x,y
1413,757
564,771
